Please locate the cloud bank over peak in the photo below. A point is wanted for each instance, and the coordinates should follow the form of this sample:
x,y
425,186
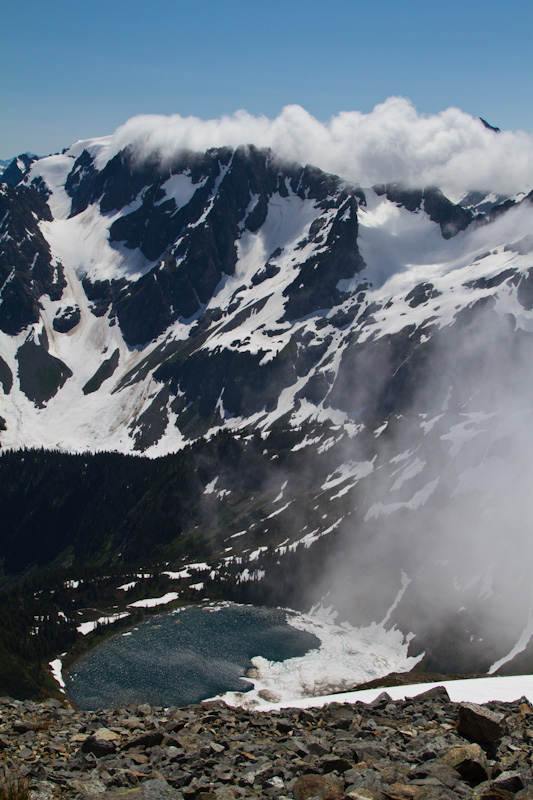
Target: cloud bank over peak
x,y
393,142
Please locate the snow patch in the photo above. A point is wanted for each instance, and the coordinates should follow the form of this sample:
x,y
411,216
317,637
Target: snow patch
x,y
127,586
210,487
56,667
519,647
418,499
348,470
88,627
155,601
469,690
179,188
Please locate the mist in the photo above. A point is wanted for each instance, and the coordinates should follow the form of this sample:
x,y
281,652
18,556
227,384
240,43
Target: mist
x,y
440,541
393,142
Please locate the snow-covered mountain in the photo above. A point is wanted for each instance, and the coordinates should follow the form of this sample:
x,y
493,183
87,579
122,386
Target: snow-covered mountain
x,y
131,277
204,260
380,336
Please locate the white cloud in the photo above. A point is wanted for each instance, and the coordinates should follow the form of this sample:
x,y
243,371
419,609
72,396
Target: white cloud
x,y
393,142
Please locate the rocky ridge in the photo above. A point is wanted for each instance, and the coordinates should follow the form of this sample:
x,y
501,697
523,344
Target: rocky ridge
x,y
423,747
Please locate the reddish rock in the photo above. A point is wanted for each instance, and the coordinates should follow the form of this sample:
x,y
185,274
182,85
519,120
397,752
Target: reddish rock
x,y
315,786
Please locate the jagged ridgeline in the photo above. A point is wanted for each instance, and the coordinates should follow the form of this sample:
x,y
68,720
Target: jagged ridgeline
x,y
146,303
189,261
332,382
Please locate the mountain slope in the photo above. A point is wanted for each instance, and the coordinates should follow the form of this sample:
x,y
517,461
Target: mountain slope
x,y
371,347
233,259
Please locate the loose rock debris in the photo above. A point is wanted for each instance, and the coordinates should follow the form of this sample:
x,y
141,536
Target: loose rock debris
x,y
414,749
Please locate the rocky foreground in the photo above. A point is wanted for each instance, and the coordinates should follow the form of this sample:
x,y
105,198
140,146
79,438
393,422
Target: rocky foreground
x,y
425,747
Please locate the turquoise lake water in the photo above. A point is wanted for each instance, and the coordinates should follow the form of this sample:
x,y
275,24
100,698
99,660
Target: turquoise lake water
x,y
185,657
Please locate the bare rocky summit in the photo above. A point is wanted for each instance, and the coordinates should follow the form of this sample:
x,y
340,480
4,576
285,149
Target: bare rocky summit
x,y
425,747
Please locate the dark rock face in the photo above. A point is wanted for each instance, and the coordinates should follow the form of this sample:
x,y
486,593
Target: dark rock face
x,y
115,186
381,377
469,761
41,375
79,181
524,290
97,747
522,247
104,371
421,294
26,268
15,172
102,294
488,126
411,199
151,424
6,377
378,378
403,750
315,286
195,244
238,378
66,319
490,283
450,217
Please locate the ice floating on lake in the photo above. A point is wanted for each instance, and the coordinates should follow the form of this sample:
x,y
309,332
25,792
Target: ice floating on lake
x,y
346,657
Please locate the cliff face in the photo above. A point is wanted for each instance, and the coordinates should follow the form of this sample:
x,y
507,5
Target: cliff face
x,y
425,747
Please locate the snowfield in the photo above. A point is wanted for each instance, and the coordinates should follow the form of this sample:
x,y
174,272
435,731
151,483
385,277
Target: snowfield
x,y
470,690
401,250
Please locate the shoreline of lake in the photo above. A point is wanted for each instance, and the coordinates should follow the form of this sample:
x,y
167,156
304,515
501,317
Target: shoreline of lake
x,y
188,654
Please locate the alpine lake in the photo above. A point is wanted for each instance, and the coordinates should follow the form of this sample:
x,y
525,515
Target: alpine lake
x,y
184,657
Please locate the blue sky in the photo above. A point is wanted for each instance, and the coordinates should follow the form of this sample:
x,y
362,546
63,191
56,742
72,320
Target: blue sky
x,y
75,70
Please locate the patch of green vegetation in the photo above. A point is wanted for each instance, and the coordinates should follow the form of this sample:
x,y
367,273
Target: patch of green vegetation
x,y
104,371
6,378
290,349
192,424
40,374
